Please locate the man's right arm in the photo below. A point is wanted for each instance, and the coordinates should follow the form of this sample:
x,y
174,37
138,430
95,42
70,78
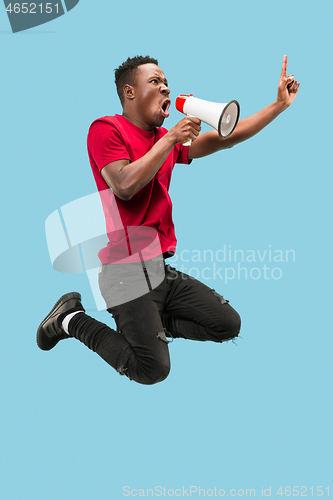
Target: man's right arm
x,y
126,178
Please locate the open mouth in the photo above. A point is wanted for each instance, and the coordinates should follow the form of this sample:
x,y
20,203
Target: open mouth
x,y
165,108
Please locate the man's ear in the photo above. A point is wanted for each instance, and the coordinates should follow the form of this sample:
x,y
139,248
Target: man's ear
x,y
128,91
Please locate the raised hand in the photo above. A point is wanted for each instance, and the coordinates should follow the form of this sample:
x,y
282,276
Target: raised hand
x,y
288,86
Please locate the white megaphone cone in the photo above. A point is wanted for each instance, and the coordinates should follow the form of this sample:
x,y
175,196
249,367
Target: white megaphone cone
x,y
222,117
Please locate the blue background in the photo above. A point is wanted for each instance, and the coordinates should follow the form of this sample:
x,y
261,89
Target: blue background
x,y
246,416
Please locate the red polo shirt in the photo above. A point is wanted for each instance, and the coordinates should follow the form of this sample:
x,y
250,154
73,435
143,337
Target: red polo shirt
x,y
143,223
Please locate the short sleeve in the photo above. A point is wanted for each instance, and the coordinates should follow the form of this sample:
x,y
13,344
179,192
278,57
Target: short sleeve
x,y
182,154
105,144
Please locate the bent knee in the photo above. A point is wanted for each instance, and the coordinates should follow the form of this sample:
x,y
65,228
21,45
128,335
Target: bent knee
x,y
161,374
156,372
234,325
230,326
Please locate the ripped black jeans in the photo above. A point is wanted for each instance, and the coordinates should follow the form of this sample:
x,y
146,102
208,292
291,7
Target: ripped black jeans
x,y
150,302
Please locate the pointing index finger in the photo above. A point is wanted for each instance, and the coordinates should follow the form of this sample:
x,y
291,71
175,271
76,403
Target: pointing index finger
x,y
284,67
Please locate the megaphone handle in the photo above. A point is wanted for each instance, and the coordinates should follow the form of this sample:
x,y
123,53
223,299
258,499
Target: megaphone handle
x,y
188,143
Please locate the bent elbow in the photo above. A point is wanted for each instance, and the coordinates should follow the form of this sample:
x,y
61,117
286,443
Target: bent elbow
x,y
124,193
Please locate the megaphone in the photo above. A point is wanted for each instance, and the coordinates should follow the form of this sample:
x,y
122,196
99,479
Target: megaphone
x,y
222,117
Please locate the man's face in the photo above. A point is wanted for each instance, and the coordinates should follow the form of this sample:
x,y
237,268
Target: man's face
x,y
151,95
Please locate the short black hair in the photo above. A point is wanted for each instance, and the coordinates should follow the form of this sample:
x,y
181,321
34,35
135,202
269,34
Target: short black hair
x,y
125,73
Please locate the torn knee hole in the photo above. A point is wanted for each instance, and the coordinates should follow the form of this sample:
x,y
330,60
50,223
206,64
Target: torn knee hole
x,y
162,336
219,297
123,371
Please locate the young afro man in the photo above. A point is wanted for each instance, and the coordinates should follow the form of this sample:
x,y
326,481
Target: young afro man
x,y
132,157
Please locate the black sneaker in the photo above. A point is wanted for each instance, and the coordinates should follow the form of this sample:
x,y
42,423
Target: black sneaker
x,y
50,330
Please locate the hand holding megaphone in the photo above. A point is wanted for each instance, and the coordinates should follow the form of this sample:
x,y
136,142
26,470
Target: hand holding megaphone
x,y
186,130
222,117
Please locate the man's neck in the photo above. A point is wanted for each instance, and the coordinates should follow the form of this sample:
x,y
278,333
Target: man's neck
x,y
133,119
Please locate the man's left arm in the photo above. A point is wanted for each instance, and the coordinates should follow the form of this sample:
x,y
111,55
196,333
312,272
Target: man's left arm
x,y
210,142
